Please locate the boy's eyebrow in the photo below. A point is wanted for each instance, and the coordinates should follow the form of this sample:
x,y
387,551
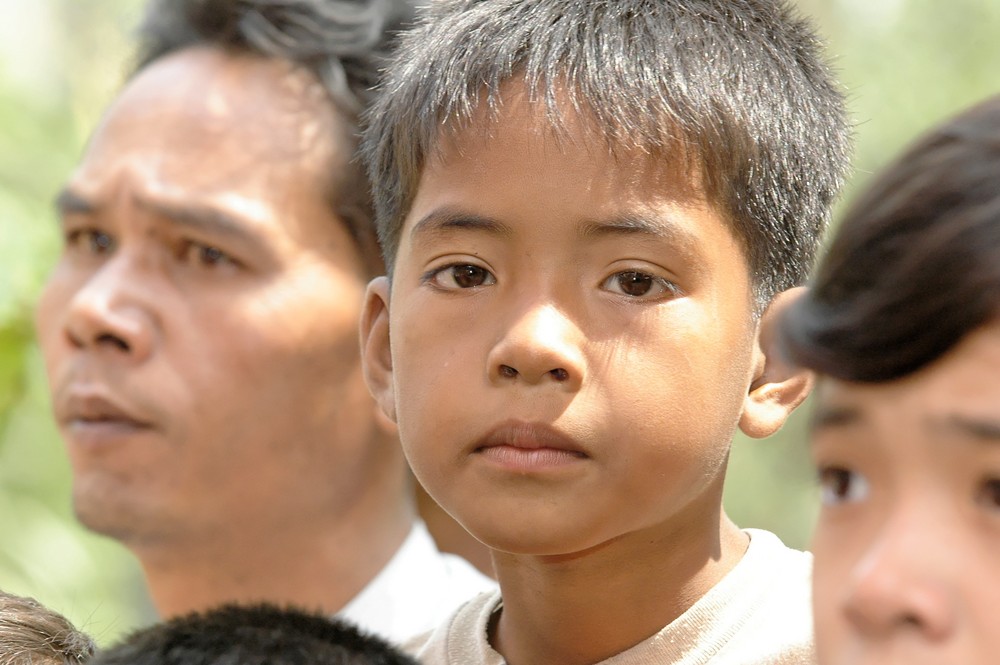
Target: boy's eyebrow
x,y
632,223
446,219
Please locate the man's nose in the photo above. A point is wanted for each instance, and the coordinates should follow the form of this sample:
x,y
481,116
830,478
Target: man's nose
x,y
901,583
542,345
110,313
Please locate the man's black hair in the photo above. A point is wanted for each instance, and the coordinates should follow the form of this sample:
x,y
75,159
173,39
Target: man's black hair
x,y
735,88
261,634
343,43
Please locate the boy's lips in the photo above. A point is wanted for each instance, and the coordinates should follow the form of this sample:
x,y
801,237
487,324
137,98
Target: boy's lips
x,y
528,445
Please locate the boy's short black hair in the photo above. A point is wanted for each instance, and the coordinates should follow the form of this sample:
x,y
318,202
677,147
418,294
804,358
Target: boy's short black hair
x,y
343,43
32,634
915,265
261,634
736,88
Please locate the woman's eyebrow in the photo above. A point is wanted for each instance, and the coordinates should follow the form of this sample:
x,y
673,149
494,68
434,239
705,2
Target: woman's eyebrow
x,y
979,429
834,416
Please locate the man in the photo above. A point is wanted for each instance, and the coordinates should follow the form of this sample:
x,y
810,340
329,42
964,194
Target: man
x,y
200,327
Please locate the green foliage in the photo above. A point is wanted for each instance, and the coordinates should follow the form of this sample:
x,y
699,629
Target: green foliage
x,y
51,89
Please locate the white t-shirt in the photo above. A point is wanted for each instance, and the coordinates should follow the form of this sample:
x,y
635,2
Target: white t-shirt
x,y
760,613
416,591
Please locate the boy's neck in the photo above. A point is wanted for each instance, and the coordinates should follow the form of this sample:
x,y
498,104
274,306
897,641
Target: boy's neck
x,y
586,608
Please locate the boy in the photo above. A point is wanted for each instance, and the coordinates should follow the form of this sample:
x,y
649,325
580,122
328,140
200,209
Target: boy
x,y
906,434
586,209
32,634
262,634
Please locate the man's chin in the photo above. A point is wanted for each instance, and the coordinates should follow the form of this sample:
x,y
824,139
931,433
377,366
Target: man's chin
x,y
120,518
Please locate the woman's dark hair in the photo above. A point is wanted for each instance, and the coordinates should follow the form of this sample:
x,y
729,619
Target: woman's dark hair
x,y
915,264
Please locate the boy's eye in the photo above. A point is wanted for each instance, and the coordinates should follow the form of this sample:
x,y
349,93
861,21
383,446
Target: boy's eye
x,y
839,485
989,494
461,276
636,284
91,241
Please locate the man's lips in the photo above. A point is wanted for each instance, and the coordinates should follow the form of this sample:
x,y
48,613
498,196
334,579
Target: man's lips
x,y
82,406
529,445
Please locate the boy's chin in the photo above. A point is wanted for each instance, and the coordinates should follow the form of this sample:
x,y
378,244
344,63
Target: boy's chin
x,y
523,538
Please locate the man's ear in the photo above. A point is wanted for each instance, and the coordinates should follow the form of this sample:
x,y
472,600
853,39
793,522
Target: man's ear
x,y
778,386
376,353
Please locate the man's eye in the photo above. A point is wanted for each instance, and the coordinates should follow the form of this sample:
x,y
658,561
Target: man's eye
x,y
462,276
989,494
204,255
91,241
636,284
839,485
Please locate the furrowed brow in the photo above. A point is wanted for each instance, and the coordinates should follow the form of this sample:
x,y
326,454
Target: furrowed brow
x,y
69,202
447,220
202,218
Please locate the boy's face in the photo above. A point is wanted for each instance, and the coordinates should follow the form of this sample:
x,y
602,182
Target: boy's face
x,y
907,547
569,340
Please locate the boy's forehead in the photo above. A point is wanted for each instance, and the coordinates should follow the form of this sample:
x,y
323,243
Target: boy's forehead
x,y
562,122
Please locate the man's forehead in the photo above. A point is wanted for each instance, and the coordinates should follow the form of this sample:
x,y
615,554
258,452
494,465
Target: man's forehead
x,y
259,102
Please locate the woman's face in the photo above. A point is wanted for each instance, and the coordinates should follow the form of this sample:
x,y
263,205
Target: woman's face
x,y
907,547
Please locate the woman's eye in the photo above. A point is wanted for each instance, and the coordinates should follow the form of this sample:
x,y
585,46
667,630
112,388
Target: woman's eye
x,y
839,485
91,241
462,276
636,284
989,494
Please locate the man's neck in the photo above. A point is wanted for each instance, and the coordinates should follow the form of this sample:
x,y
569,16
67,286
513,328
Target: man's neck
x,y
319,566
587,608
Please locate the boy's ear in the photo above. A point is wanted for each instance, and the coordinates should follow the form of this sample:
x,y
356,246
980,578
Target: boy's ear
x,y
376,353
778,386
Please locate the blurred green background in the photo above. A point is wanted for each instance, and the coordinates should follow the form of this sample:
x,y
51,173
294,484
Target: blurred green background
x,y
906,65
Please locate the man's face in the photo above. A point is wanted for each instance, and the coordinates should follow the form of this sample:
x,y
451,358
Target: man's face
x,y
200,327
907,547
569,338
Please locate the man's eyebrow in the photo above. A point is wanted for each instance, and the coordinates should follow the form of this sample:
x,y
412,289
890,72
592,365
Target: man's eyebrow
x,y
980,429
834,416
443,220
199,217
69,202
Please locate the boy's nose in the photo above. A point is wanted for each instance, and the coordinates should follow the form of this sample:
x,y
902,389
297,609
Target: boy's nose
x,y
108,313
542,345
901,585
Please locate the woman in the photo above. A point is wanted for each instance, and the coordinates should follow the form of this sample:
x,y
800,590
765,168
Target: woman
x,y
902,326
